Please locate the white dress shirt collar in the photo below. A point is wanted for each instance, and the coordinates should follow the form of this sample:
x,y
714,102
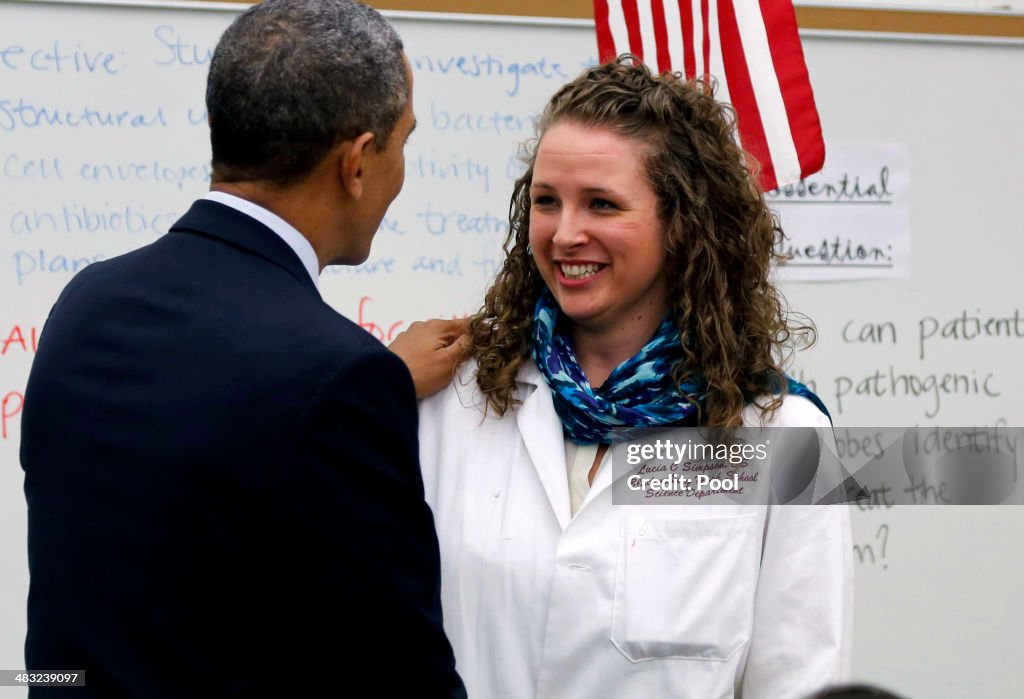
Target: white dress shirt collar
x,y
287,232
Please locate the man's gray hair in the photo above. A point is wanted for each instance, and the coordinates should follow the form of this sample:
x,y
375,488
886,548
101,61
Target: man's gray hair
x,y
290,79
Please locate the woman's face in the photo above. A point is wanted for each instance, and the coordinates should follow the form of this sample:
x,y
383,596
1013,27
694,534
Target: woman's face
x,y
594,230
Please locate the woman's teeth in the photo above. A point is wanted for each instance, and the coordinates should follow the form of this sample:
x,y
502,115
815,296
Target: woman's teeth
x,y
579,271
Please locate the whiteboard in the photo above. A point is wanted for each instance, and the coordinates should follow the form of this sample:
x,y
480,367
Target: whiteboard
x,y
103,144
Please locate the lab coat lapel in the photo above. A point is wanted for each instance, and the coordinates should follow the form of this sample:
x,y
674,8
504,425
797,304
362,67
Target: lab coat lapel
x,y
602,480
541,430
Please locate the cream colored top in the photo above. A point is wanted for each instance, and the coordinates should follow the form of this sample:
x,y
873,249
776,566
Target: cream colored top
x,y
579,459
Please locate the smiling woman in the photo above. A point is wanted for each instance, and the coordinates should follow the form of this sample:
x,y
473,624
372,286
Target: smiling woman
x,y
637,201
635,293
597,241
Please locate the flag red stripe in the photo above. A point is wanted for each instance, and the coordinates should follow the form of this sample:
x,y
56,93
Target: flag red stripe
x,y
605,43
661,35
706,48
741,91
794,83
686,20
636,43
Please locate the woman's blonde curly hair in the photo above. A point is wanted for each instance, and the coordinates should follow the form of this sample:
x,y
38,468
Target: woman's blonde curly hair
x,y
720,238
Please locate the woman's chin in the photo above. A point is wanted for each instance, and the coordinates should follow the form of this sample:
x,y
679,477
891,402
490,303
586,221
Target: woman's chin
x,y
579,316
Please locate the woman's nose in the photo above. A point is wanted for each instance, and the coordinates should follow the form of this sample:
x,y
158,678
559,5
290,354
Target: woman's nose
x,y
570,231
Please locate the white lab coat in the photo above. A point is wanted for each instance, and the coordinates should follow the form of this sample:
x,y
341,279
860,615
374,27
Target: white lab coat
x,y
622,601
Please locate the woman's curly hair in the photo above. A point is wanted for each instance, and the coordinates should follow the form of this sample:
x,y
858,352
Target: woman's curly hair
x,y
720,239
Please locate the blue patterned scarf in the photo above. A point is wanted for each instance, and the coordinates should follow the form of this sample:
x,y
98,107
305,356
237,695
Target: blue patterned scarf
x,y
639,393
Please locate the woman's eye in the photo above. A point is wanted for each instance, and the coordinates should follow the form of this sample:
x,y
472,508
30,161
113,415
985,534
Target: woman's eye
x,y
542,200
603,204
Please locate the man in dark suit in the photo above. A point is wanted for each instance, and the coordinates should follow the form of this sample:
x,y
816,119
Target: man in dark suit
x,y
221,471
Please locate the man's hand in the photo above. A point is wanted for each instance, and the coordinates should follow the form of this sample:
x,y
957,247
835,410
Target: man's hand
x,y
432,350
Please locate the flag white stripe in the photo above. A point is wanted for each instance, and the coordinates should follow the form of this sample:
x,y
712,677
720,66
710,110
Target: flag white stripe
x,y
698,36
717,63
767,91
617,26
647,36
674,27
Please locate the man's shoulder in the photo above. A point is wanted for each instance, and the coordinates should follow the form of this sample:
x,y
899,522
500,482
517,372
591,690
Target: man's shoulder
x,y
331,333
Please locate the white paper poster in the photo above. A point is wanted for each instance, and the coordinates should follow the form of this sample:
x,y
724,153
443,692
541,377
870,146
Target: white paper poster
x,y
852,219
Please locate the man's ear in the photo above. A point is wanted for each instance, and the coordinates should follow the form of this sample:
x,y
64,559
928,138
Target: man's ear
x,y
352,160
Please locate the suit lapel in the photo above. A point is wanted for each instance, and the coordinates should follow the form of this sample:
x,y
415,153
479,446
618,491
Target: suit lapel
x,y
541,431
214,220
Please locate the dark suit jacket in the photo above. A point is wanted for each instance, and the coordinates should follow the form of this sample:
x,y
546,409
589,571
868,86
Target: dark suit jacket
x,y
223,485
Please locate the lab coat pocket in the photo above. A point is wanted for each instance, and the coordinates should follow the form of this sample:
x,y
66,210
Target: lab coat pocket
x,y
684,588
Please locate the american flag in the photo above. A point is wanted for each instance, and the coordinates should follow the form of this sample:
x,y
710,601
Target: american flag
x,y
751,48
